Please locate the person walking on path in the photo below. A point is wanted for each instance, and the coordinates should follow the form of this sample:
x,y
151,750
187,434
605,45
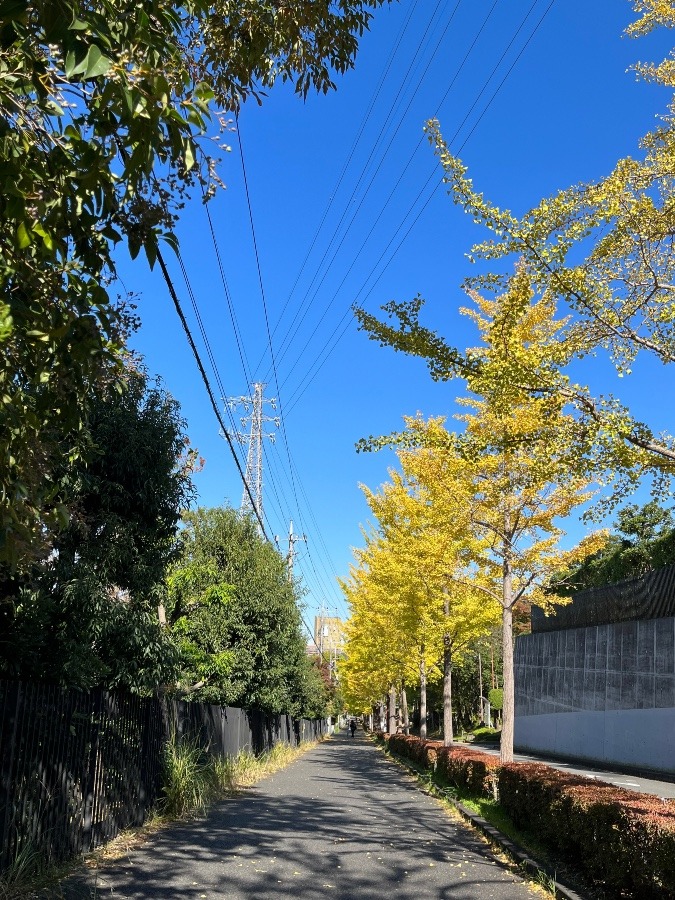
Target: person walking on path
x,y
352,727
341,822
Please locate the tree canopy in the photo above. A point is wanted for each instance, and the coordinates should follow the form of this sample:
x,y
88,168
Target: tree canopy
x,y
602,252
643,540
105,116
234,616
519,466
87,615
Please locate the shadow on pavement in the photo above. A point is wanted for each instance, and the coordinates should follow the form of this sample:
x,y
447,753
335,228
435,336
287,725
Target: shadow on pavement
x,y
340,822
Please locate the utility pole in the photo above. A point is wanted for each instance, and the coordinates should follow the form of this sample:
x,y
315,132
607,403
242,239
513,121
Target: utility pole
x,y
254,438
480,687
292,540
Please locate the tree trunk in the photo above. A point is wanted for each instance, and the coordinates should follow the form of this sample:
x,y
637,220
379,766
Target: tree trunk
x,y
448,735
391,726
423,697
404,711
507,641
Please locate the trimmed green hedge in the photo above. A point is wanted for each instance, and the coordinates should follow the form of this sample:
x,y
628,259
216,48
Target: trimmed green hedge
x,y
619,839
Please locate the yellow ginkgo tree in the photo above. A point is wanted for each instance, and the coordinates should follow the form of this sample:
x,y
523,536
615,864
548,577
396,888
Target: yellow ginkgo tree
x,y
406,587
604,251
520,465
389,642
439,544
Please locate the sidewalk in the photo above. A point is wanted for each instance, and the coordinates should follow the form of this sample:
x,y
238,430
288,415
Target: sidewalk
x,y
342,822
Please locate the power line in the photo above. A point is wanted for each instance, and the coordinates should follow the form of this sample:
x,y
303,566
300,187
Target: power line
x,y
228,297
392,192
290,333
318,362
269,336
205,379
347,162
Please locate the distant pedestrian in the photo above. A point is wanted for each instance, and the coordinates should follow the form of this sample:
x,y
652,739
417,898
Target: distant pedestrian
x,y
352,727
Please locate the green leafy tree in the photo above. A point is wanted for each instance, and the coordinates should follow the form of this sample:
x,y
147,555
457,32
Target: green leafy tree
x,y
103,108
234,616
643,540
88,615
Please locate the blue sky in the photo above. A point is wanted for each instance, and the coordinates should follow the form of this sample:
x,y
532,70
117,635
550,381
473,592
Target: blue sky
x,y
348,207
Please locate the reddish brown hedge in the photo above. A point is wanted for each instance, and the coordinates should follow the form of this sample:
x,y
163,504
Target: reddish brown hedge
x,y
469,770
420,751
620,839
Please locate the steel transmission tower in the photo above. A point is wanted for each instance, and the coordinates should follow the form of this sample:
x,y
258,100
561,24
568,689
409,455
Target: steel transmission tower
x,y
254,438
292,552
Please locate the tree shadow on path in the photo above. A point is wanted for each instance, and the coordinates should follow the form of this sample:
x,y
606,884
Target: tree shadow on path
x,y
341,822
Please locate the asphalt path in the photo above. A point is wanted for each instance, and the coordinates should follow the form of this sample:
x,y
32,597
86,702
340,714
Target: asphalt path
x,y
632,781
342,821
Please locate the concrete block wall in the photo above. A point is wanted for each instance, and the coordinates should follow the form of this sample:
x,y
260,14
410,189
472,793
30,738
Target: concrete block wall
x,y
604,693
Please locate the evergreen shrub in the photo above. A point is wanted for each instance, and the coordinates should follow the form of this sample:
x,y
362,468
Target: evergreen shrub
x,y
469,770
622,840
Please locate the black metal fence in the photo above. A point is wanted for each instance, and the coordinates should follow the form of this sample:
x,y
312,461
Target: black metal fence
x,y
78,767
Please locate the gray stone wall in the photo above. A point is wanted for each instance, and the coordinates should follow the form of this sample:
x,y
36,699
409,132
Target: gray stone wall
x,y
594,693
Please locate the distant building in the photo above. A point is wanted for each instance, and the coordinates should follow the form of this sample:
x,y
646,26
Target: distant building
x,y
329,635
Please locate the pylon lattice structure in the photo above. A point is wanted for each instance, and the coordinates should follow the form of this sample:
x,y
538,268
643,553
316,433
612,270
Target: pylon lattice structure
x,y
254,438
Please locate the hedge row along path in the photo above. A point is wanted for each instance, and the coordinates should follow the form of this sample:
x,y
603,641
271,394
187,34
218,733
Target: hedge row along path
x,y
340,822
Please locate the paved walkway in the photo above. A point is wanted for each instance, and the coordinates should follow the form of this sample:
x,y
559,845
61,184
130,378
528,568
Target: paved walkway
x,y
340,822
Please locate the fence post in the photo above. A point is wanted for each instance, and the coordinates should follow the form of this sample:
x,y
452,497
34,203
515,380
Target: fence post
x,y
90,780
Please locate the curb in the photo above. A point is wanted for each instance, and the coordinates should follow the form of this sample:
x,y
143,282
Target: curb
x,y
517,854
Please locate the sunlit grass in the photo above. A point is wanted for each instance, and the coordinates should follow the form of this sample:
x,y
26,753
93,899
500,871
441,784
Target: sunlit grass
x,y
193,779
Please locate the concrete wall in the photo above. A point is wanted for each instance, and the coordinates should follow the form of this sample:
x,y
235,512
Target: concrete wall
x,y
605,693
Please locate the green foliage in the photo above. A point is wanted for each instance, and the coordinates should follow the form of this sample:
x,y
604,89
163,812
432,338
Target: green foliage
x,y
489,735
189,782
644,540
496,698
303,43
88,615
234,616
104,108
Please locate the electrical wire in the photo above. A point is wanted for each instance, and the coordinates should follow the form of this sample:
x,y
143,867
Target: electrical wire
x,y
269,336
205,379
318,363
394,190
290,333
